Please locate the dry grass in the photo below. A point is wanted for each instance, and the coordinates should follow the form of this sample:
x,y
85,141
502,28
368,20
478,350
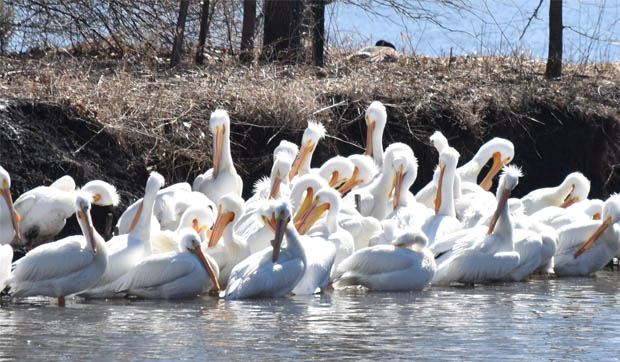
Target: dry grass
x,y
168,109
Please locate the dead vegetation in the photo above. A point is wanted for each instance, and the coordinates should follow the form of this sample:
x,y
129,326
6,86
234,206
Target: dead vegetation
x,y
471,98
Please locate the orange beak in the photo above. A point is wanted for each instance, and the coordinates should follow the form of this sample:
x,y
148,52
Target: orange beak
x,y
276,243
218,139
205,262
15,217
501,204
370,130
304,209
315,213
303,154
275,186
439,188
335,181
85,216
351,183
570,199
398,187
593,237
136,217
223,219
487,182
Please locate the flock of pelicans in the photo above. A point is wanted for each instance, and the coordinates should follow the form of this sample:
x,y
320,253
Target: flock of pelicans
x,y
353,221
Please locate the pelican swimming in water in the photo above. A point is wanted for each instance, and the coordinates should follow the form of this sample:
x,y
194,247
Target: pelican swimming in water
x,y
64,267
311,137
587,246
125,251
406,264
272,272
225,246
483,254
183,273
6,256
44,209
222,178
574,188
376,118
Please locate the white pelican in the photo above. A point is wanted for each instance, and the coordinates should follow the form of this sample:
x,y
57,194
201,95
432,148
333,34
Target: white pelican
x,y
501,150
63,267
9,217
6,256
587,246
44,209
574,188
406,264
183,273
444,222
200,218
376,118
312,135
272,272
222,178
225,246
364,170
328,200
336,171
483,254
125,251
170,204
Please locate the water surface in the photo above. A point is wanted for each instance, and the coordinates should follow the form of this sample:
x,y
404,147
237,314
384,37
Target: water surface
x,y
565,319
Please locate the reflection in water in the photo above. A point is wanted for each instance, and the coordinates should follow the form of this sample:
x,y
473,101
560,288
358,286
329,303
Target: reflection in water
x,y
571,318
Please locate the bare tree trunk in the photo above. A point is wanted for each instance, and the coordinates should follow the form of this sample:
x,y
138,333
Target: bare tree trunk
x,y
554,60
281,35
247,31
318,32
180,30
204,29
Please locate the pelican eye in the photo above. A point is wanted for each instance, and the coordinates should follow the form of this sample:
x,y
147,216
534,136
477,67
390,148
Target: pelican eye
x,y
367,118
5,183
96,197
281,214
195,243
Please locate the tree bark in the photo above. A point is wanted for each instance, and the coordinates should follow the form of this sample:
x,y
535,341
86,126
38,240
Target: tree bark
x,y
554,59
318,32
246,54
177,47
204,30
281,35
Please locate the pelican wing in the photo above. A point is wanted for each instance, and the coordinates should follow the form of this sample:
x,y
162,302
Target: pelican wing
x,y
25,202
53,260
376,260
571,237
6,255
157,270
471,266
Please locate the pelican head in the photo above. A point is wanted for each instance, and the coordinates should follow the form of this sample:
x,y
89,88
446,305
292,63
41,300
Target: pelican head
x,y
229,209
336,171
82,210
578,186
325,199
448,159
502,151
219,125
155,182
279,171
439,141
287,148
310,184
376,118
198,217
507,182
405,168
189,240
411,239
5,190
364,169
276,214
104,194
312,135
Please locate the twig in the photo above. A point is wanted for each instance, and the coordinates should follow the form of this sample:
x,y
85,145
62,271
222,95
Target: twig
x,y
534,15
